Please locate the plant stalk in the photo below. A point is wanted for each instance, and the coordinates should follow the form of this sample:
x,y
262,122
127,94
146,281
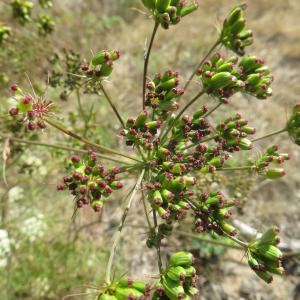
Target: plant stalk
x,y
117,234
114,108
181,113
60,147
207,240
215,45
159,260
146,63
270,134
85,141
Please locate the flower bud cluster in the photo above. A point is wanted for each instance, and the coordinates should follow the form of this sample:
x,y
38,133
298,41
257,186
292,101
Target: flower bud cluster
x,y
127,289
264,257
257,77
31,110
223,77
233,133
163,92
22,10
45,3
191,129
293,125
213,212
141,131
170,12
90,182
5,33
45,25
169,193
101,65
235,35
271,156
179,279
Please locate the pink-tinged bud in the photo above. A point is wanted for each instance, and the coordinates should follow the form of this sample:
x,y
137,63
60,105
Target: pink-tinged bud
x,y
67,178
75,159
83,190
119,185
84,67
31,125
108,190
101,184
27,99
13,111
97,207
130,282
274,173
41,124
30,114
85,200
90,72
14,87
60,187
79,204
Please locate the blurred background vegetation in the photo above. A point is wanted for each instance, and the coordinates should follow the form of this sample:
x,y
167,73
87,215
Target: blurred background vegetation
x,y
44,253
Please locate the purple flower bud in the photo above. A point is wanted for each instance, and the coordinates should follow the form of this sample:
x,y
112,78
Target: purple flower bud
x,y
31,125
13,111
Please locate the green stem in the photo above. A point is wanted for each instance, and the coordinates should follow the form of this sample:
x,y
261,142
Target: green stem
x,y
203,141
145,209
270,134
214,46
114,108
85,141
181,113
117,234
212,110
60,147
236,240
207,240
147,57
159,260
238,168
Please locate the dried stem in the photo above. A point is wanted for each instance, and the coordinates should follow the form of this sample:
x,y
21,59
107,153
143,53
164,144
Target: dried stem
x,y
114,108
117,234
85,141
147,57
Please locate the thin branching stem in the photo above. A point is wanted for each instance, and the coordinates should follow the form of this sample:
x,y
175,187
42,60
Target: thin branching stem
x,y
207,240
270,134
112,105
242,168
159,260
60,147
202,141
215,45
146,63
88,142
212,110
236,240
118,233
181,113
145,209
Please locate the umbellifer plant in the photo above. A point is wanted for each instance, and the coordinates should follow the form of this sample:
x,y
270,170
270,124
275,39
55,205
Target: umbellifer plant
x,y
170,149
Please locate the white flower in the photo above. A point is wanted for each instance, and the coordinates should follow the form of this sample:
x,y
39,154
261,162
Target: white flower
x,y
4,247
34,227
15,194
